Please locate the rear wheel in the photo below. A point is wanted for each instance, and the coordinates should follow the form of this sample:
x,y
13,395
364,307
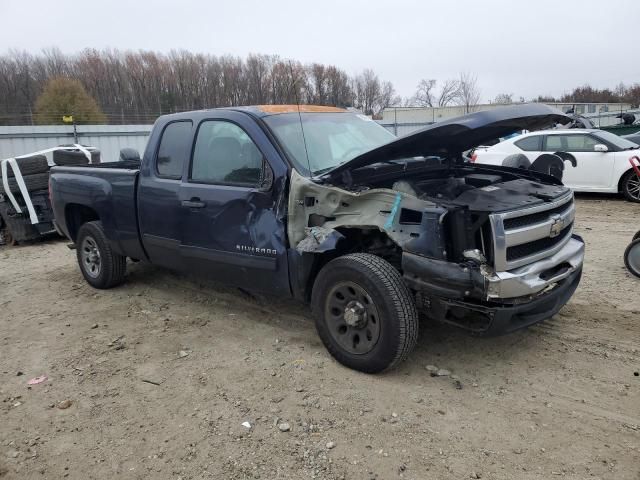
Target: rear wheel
x,y
632,257
365,315
99,264
631,186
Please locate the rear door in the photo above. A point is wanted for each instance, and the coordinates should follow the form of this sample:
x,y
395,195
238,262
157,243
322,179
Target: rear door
x,y
160,212
233,229
592,170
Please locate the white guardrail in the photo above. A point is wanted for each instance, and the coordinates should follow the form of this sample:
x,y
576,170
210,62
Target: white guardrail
x,y
20,180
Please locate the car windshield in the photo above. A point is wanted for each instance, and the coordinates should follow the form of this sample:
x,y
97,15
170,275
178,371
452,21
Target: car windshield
x,y
618,142
331,138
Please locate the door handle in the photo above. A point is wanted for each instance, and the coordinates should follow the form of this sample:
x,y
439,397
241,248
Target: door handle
x,y
193,203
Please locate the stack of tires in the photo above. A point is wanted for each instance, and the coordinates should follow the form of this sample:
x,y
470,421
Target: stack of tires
x,y
35,173
74,157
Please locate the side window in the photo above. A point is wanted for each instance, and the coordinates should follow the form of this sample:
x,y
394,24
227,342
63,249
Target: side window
x,y
554,143
581,143
174,149
224,153
530,144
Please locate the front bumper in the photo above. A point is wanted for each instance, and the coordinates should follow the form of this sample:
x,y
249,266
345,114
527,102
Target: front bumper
x,y
498,319
490,303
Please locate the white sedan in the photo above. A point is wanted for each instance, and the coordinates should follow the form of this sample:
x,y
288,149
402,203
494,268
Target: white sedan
x,y
585,160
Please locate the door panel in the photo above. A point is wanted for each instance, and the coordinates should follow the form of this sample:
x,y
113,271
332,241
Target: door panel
x,y
592,169
232,230
159,209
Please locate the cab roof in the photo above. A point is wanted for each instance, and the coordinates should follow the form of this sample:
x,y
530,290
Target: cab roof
x,y
267,110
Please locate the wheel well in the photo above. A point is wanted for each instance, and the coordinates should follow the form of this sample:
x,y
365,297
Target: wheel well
x,y
76,215
622,177
356,240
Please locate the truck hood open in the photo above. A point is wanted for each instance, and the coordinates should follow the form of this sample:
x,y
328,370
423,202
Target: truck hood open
x,y
451,137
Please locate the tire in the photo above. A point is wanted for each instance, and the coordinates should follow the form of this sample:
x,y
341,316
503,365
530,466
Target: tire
x,y
632,257
101,267
74,157
364,313
38,181
637,235
517,160
30,165
630,186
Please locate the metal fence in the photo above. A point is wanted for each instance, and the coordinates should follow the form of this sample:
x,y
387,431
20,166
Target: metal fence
x,y
109,139
400,129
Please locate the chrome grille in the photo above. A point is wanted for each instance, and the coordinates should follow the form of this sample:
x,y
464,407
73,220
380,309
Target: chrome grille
x,y
525,236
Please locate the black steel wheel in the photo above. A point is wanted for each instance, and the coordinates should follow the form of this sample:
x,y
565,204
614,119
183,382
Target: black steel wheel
x,y
631,186
99,264
632,257
365,315
354,321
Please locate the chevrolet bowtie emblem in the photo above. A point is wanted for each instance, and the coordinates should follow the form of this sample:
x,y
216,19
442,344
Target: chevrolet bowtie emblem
x,y
557,225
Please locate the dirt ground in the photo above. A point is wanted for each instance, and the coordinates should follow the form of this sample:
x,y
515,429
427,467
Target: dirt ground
x,y
557,400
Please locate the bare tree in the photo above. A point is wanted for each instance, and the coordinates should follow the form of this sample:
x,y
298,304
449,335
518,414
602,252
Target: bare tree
x,y
449,92
503,98
425,93
468,91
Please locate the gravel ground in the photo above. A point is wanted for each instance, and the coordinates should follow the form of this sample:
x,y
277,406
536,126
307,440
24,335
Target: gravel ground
x,y
158,376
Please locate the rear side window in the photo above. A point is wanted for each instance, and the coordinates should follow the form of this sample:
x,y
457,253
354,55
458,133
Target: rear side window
x,y
530,144
225,154
175,145
555,143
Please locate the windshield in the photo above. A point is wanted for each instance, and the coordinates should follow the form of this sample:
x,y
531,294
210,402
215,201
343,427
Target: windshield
x,y
618,142
331,138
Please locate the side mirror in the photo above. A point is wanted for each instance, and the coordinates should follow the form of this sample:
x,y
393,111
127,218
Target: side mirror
x,y
129,155
599,147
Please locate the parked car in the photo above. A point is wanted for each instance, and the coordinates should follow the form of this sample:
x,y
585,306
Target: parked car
x,y
326,206
634,137
585,160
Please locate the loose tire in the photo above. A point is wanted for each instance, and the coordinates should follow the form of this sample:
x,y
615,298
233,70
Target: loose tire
x,y
631,186
74,157
632,257
30,165
100,265
38,181
365,315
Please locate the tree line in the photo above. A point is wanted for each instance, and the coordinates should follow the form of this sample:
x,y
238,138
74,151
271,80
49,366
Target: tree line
x,y
137,87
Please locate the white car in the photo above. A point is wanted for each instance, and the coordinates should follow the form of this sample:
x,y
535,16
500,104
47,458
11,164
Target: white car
x,y
586,160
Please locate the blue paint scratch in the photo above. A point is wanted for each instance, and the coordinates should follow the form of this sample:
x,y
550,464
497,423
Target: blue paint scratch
x,y
394,211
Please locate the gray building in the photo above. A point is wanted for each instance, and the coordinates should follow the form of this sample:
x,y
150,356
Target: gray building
x,y
403,120
109,139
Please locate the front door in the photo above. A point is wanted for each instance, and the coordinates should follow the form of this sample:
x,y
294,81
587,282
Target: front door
x,y
232,229
592,169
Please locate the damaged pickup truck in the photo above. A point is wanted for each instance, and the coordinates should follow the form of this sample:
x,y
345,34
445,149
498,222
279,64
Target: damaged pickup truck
x,y
326,206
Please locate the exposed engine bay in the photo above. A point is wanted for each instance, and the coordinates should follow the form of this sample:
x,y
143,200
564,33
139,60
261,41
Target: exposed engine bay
x,y
448,205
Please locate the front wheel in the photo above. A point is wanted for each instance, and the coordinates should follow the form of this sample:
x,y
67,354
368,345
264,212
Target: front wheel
x,y
632,257
99,264
631,186
365,315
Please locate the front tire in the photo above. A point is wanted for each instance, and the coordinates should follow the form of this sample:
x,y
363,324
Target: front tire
x,y
631,186
632,257
100,265
365,315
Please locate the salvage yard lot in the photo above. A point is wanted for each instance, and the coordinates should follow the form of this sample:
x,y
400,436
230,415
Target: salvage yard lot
x,y
162,372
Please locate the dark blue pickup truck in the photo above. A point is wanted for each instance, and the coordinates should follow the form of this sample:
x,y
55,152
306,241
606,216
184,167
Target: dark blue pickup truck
x,y
326,206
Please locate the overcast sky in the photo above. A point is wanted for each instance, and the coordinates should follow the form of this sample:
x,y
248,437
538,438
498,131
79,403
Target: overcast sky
x,y
523,48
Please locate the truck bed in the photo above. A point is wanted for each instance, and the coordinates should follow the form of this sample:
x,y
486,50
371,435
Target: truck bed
x,y
105,191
